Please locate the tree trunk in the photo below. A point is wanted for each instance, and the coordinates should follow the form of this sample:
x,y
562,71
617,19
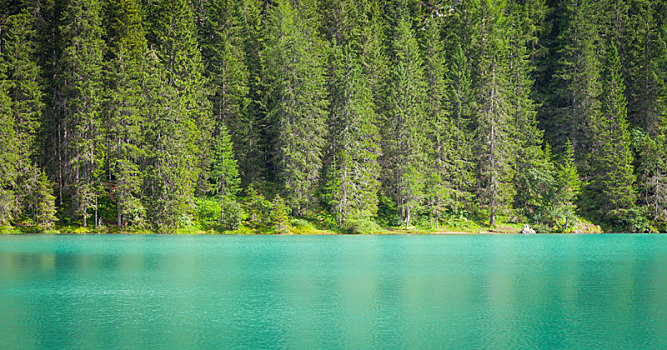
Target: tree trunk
x,y
96,220
407,217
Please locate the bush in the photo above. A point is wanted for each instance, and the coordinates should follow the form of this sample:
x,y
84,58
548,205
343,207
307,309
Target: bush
x,y
257,208
279,215
208,211
233,215
301,224
362,224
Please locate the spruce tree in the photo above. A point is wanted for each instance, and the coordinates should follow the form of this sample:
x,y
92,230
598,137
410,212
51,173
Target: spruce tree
x,y
461,103
568,189
447,168
223,54
296,102
80,82
9,156
534,180
574,97
170,163
225,174
492,117
403,134
651,154
645,65
254,166
353,169
178,141
20,77
611,189
173,35
125,108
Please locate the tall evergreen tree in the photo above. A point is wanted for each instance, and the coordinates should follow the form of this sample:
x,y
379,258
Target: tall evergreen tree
x,y
222,51
403,135
646,64
574,97
534,180
78,106
254,166
611,189
125,108
296,102
9,156
225,174
173,35
18,60
178,138
492,119
651,163
568,189
448,168
353,169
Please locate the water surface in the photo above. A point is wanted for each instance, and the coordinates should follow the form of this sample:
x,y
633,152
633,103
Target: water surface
x,y
356,292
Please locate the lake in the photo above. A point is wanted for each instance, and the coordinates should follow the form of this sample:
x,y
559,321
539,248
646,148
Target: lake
x,y
329,292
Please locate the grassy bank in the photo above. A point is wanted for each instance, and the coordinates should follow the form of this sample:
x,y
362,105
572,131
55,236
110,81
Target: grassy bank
x,y
301,227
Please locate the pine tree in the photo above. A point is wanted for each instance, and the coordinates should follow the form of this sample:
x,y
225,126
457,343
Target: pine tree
x,y
645,65
170,163
18,65
225,174
9,156
461,103
254,166
173,35
279,215
296,103
353,169
79,78
403,135
125,108
612,185
447,169
495,151
652,179
178,137
371,47
535,181
223,54
568,189
574,98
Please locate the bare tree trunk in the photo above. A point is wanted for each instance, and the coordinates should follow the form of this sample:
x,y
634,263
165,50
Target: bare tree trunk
x,y
407,217
96,219
120,219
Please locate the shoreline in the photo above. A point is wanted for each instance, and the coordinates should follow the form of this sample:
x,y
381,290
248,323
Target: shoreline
x,y
312,233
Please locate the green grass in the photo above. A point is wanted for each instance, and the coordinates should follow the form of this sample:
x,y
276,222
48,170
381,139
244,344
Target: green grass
x,y
306,227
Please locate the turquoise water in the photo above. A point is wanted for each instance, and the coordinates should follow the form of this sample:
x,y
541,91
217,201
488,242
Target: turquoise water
x,y
355,292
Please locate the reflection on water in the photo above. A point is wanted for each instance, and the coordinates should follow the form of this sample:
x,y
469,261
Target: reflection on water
x,y
175,292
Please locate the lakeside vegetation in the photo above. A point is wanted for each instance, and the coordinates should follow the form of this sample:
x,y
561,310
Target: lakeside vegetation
x,y
333,116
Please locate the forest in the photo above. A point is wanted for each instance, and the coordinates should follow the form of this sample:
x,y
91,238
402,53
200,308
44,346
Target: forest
x,y
347,115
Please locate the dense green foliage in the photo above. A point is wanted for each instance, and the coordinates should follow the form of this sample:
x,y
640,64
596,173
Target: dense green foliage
x,y
343,113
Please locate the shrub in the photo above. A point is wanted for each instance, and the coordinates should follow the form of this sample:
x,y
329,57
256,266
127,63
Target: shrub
x,y
279,215
257,208
301,224
360,224
208,211
233,215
